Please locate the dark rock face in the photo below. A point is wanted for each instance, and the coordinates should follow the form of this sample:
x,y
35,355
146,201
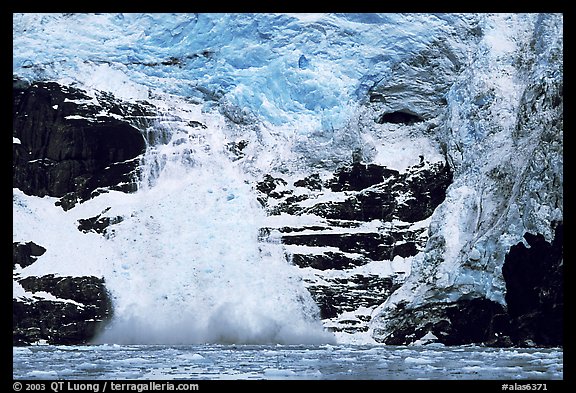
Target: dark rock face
x,y
348,294
236,149
312,182
269,184
534,290
89,290
71,146
380,193
465,321
373,246
327,261
533,315
82,306
25,254
360,176
346,237
98,224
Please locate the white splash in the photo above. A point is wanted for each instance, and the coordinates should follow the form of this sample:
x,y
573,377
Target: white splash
x,y
190,267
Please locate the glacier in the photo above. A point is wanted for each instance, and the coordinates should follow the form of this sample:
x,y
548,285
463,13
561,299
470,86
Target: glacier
x,y
246,65
497,143
239,97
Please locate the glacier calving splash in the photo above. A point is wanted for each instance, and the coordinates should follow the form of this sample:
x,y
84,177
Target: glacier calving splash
x,y
190,268
298,95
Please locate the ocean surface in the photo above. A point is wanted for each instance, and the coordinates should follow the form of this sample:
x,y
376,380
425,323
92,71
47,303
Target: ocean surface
x,y
303,362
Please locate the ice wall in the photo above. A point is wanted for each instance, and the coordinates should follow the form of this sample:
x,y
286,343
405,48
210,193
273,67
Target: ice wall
x,y
503,136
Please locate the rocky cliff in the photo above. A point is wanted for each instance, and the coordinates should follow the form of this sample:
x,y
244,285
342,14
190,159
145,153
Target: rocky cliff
x,y
72,147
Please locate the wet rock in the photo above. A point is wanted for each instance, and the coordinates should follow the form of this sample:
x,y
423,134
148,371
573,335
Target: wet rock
x,y
372,192
269,184
328,260
56,323
335,296
359,176
374,246
364,206
236,149
85,289
312,182
424,188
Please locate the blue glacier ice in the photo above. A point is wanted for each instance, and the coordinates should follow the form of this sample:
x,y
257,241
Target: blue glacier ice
x,y
248,60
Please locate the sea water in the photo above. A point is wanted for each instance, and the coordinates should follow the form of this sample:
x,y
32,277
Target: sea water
x,y
301,362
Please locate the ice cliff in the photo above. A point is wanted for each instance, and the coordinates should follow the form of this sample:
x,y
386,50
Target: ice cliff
x,y
394,176
503,136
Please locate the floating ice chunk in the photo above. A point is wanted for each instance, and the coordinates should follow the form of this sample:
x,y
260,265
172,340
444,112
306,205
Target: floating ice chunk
x,y
413,360
314,374
428,338
87,366
194,356
21,351
43,374
135,360
276,372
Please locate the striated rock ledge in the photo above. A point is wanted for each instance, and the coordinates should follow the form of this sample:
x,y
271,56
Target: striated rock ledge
x,y
356,228
59,310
